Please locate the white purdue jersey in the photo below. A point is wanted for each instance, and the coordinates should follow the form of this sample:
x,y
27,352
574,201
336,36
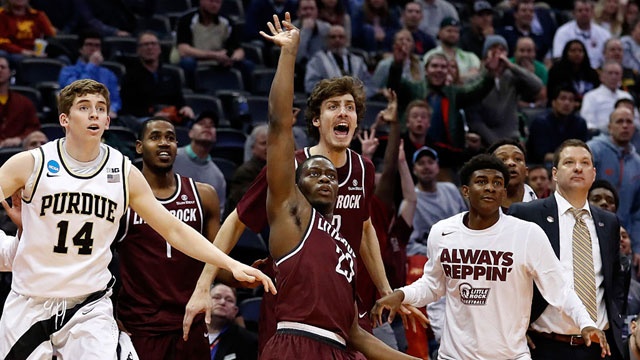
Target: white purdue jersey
x,y
487,277
70,220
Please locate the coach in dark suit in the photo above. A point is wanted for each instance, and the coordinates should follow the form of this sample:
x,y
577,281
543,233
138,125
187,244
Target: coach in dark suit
x,y
555,336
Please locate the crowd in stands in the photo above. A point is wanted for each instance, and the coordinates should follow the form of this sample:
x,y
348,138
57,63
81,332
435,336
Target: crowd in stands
x,y
568,70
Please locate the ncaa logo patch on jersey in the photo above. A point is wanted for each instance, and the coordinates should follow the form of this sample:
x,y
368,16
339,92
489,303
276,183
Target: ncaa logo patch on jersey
x,y
53,168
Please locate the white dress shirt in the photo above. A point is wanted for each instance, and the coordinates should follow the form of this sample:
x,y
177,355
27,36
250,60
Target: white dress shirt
x,y
553,320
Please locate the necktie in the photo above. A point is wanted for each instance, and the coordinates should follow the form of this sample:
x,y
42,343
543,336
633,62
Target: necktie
x,y
584,277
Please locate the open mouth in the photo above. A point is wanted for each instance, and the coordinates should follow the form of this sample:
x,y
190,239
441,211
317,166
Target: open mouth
x,y
342,129
164,155
94,127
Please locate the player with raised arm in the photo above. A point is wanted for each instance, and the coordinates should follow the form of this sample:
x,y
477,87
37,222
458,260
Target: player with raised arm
x,y
316,268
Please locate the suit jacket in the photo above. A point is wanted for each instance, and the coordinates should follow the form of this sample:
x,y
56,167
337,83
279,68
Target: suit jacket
x,y
239,342
544,212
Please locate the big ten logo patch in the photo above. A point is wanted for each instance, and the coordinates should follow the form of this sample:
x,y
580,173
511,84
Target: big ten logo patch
x,y
476,264
473,296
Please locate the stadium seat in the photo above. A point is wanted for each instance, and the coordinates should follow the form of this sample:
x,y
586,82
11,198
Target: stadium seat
x,y
249,309
203,102
33,71
172,6
261,80
212,79
116,46
227,167
117,68
6,153
53,131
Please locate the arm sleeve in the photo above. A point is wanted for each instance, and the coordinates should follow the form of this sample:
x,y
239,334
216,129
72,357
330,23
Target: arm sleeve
x,y
548,276
528,84
430,287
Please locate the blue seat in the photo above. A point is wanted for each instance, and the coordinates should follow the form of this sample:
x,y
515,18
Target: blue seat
x,y
250,309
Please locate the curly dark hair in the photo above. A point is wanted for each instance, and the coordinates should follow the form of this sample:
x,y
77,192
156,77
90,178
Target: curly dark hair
x,y
482,162
328,88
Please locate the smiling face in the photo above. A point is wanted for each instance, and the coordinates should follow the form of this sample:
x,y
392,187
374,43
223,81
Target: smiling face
x,y
158,146
87,117
318,182
338,121
515,161
485,191
437,70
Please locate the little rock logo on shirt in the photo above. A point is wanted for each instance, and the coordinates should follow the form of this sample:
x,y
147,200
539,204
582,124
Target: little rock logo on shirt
x,y
473,296
355,186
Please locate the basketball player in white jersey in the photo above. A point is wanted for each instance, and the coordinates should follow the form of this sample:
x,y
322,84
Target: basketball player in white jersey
x,y
75,191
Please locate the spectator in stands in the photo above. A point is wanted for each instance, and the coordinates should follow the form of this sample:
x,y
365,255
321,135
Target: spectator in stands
x,y
631,46
73,16
604,195
249,170
480,26
194,160
89,66
205,35
496,116
260,12
584,29
411,19
18,116
335,13
513,155
313,35
434,12
109,17
226,338
20,26
403,55
574,68
608,14
527,23
613,51
631,12
373,26
436,200
559,123
598,103
147,85
336,61
540,181
34,140
525,57
617,162
446,127
449,35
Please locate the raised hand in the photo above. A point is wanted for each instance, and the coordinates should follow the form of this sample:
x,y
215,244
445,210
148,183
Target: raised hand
x,y
368,143
390,113
283,34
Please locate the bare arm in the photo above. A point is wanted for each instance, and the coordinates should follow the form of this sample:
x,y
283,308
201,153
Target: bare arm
x,y
180,235
282,193
409,202
372,258
371,346
226,238
386,186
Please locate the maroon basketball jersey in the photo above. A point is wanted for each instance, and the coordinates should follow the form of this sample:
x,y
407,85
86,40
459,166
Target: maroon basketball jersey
x,y
356,180
158,280
316,280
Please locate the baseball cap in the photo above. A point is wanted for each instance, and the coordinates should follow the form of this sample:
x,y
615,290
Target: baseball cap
x,y
481,6
449,21
207,114
425,151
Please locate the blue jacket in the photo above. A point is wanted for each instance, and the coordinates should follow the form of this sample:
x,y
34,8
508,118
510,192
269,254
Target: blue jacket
x,y
621,167
82,70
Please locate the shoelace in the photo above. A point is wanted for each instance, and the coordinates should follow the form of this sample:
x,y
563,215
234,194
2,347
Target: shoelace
x,y
57,307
